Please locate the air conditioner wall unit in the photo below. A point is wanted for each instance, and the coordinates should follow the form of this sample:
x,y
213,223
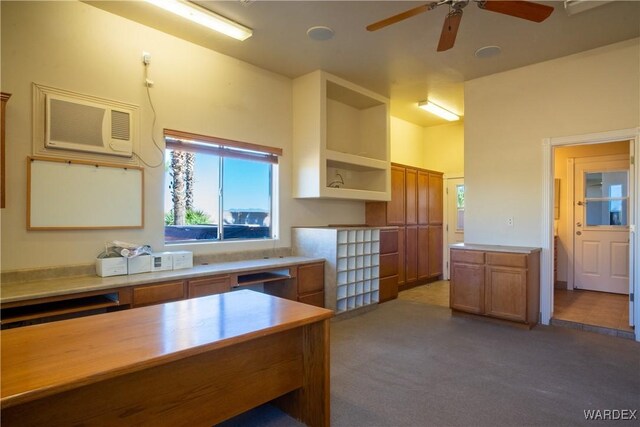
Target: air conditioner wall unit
x,y
95,126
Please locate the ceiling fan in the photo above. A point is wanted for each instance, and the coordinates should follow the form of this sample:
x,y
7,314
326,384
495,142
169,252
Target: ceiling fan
x,y
530,11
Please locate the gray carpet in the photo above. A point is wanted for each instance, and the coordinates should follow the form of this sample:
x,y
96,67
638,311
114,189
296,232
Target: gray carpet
x,y
410,364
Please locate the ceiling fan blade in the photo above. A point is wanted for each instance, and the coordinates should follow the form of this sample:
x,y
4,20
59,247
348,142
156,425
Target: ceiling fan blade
x,y
449,30
401,16
530,11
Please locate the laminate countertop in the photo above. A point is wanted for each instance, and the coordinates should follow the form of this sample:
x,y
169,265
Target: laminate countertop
x,y
21,291
494,248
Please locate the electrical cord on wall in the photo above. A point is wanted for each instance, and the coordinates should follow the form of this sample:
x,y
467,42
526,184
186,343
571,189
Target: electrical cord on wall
x,y
148,83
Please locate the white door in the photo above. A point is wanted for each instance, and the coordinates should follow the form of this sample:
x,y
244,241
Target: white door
x,y
601,224
455,216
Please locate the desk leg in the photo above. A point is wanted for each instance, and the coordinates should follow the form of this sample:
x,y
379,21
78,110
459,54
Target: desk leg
x,y
311,403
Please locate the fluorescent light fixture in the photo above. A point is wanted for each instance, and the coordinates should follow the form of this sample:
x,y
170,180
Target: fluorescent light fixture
x,y
438,111
204,17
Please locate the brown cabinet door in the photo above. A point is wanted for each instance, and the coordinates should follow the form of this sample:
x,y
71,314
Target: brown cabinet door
x,y
435,199
423,198
506,293
435,250
389,265
388,241
311,278
316,299
388,288
411,254
208,286
401,256
411,194
158,293
467,288
423,252
395,208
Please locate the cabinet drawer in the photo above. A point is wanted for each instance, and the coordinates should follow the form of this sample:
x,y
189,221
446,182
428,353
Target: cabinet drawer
x,y
469,257
311,278
209,286
388,288
388,241
156,294
316,299
507,260
388,265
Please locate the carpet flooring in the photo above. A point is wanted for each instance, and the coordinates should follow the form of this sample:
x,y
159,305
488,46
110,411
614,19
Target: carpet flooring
x,y
408,363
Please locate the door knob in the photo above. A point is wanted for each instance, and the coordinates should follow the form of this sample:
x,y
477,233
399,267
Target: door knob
x,y
579,224
579,233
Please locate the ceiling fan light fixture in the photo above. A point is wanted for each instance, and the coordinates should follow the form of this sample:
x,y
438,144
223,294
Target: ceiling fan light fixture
x,y
204,17
438,111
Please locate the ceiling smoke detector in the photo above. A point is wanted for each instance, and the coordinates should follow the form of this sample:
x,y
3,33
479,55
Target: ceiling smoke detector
x,y
488,52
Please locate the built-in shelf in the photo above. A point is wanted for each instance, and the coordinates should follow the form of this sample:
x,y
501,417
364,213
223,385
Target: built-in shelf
x,y
263,277
352,267
341,140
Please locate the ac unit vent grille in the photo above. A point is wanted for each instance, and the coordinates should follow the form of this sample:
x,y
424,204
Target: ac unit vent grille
x,y
119,125
65,117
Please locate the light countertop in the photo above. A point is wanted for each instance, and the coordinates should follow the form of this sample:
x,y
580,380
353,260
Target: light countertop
x,y
494,248
11,292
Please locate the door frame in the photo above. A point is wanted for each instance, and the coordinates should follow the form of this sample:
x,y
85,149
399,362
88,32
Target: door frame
x,y
546,264
445,240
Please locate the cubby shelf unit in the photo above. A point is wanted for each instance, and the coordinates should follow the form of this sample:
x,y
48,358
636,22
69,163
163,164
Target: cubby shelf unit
x,y
340,140
352,267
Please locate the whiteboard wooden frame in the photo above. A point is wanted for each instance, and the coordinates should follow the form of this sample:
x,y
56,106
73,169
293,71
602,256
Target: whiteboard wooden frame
x,y
82,188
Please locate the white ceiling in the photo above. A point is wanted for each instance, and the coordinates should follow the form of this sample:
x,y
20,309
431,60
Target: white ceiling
x,y
399,61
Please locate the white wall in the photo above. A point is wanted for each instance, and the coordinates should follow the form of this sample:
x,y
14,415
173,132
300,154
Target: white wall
x,y
508,114
407,143
444,148
74,46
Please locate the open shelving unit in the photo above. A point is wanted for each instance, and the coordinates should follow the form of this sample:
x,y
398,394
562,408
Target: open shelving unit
x,y
340,140
352,267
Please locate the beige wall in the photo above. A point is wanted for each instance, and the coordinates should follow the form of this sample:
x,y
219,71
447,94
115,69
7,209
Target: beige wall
x,y
561,171
444,148
77,47
507,115
407,143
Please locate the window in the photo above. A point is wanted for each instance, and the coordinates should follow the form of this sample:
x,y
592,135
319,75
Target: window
x,y
606,198
460,207
216,189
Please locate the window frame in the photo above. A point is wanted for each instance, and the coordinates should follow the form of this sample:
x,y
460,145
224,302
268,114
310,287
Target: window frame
x,y
225,149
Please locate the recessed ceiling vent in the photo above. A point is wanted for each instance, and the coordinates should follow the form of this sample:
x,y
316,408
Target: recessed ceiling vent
x,y
573,7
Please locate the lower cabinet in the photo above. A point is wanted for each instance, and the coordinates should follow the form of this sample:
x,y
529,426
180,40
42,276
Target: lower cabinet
x,y
388,264
503,285
158,293
212,285
310,280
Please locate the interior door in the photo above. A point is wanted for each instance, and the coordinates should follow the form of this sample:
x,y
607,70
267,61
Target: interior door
x,y
454,229
601,224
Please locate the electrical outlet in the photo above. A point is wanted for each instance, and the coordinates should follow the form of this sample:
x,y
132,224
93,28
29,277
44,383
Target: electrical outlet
x,y
510,221
146,58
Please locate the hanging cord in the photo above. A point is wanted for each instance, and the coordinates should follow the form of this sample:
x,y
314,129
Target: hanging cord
x,y
148,84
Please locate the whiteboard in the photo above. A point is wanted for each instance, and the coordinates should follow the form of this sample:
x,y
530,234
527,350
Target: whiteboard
x,y
74,194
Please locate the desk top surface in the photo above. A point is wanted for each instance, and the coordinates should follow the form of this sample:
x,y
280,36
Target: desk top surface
x,y
45,359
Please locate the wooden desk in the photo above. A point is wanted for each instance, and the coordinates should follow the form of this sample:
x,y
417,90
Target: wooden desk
x,y
193,362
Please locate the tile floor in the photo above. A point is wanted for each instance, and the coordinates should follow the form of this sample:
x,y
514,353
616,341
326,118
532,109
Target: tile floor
x,y
436,293
592,308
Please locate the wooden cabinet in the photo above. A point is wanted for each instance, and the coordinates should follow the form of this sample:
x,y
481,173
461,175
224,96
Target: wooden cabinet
x,y
503,285
210,285
416,208
388,264
4,97
411,196
158,293
310,279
